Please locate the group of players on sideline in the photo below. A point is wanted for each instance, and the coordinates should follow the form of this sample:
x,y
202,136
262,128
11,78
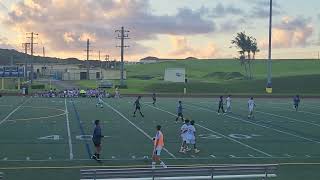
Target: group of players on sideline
x,y
187,130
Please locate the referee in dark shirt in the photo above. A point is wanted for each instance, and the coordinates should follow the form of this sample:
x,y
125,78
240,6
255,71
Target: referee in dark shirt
x,y
96,139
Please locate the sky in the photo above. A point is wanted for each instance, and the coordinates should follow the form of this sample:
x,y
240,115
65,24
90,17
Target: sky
x,y
161,28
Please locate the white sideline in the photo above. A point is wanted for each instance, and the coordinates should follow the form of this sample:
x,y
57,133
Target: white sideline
x,y
69,132
13,111
227,137
197,177
260,125
138,128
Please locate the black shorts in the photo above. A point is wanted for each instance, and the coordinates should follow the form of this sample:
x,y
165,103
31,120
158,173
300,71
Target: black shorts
x,y
154,99
180,114
138,108
96,143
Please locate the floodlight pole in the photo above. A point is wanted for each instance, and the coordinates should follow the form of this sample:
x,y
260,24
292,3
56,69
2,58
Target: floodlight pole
x,y
269,84
122,35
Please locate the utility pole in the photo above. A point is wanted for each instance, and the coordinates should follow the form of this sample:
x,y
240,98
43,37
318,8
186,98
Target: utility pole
x,y
25,45
88,64
107,61
43,52
32,34
122,35
269,84
100,66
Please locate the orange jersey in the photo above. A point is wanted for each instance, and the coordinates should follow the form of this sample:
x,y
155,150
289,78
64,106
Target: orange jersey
x,y
160,139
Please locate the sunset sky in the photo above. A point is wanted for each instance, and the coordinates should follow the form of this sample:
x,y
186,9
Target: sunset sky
x,y
162,28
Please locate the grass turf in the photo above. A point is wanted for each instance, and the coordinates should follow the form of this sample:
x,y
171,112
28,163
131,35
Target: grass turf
x,y
276,135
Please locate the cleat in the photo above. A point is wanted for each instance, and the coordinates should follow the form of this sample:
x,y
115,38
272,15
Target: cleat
x,y
196,151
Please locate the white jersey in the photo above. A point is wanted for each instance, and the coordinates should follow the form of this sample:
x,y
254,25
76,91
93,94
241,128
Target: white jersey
x,y
191,132
228,100
184,131
251,104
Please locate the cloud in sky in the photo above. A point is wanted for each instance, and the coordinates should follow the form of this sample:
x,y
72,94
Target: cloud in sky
x,y
4,43
66,24
182,49
291,33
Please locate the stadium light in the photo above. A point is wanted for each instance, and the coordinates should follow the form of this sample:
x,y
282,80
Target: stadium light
x,y
269,83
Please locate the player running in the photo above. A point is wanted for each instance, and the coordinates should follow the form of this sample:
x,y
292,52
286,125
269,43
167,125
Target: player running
x,y
179,112
183,134
138,107
221,105
296,102
251,106
228,102
99,101
191,136
96,139
154,98
157,147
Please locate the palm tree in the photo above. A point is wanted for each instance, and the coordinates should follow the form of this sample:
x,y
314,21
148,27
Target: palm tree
x,y
246,44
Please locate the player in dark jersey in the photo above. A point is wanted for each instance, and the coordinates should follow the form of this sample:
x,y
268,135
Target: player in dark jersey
x,y
296,102
154,98
138,107
221,105
96,139
179,112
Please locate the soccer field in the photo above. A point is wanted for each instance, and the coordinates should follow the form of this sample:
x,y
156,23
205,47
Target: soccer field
x,y
50,138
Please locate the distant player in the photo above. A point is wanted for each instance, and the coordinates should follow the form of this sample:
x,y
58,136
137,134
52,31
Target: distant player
x,y
158,144
251,106
99,101
221,106
137,107
296,102
183,135
117,93
154,98
179,112
228,102
191,136
96,139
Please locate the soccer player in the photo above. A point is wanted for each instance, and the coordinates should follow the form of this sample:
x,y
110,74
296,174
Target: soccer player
x,y
251,106
158,144
183,134
99,101
179,112
96,139
138,107
117,93
228,102
191,136
296,102
221,105
154,98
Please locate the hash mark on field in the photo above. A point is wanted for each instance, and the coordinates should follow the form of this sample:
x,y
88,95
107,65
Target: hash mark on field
x,y
308,156
288,155
232,156
5,159
213,156
250,155
113,157
28,158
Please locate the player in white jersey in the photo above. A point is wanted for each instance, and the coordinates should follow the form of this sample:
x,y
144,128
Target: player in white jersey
x,y
99,101
191,136
251,106
183,133
228,102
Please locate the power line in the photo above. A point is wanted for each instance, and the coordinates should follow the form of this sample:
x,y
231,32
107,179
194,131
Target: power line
x,y
122,35
25,45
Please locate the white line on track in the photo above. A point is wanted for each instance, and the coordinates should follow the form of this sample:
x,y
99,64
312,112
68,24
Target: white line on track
x,y
210,130
69,132
260,125
13,111
138,128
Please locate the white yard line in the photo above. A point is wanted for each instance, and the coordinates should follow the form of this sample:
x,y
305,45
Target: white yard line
x,y
138,128
260,125
285,117
69,132
210,130
306,112
13,111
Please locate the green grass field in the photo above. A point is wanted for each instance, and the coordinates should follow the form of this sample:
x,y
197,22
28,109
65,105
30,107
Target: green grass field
x,y
50,138
223,76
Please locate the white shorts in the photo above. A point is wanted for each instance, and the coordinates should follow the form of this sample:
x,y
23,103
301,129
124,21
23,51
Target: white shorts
x,y
158,151
183,137
251,109
191,140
